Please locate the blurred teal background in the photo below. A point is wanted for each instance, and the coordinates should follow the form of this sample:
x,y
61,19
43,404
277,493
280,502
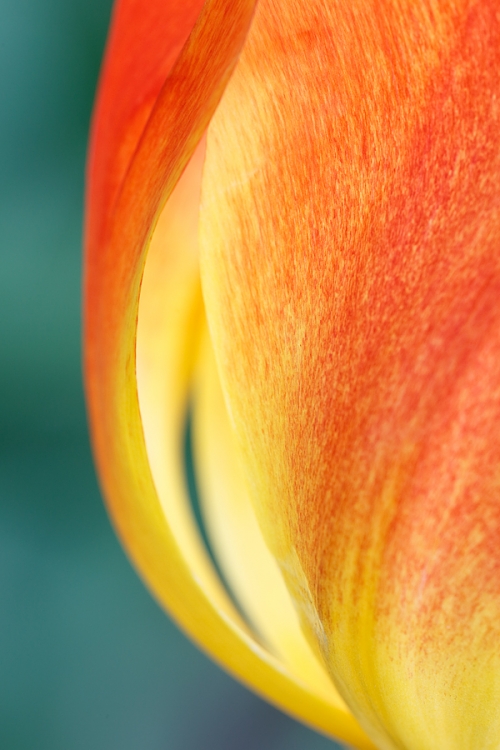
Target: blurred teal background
x,y
87,659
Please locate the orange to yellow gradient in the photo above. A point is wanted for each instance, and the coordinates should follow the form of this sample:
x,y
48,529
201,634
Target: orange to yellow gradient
x,y
294,225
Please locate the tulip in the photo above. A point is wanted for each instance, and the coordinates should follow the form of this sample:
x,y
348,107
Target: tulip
x,y
330,170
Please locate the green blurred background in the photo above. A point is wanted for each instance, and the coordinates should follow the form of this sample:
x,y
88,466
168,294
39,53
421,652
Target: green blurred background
x,y
87,659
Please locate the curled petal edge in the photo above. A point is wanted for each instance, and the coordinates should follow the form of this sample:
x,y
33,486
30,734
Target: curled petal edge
x,y
177,574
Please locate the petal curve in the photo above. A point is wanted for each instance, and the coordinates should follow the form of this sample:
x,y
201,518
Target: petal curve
x,y
125,204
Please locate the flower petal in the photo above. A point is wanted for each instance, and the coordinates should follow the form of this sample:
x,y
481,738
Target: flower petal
x,y
350,239
144,43
246,562
137,424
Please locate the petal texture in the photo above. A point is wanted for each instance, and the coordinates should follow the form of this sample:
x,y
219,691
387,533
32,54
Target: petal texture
x,y
350,238
142,322
248,565
144,43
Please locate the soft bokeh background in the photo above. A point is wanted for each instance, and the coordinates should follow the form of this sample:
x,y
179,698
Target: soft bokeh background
x,y
87,659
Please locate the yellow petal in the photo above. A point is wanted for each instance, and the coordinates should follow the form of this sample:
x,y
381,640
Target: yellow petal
x,y
170,319
247,564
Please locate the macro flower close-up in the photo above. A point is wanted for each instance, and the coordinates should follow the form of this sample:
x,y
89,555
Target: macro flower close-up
x,y
292,348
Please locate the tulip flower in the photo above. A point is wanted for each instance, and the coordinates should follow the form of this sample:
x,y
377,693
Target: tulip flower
x,y
293,235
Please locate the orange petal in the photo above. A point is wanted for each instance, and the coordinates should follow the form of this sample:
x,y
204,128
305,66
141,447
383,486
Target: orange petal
x,y
139,319
350,238
144,43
